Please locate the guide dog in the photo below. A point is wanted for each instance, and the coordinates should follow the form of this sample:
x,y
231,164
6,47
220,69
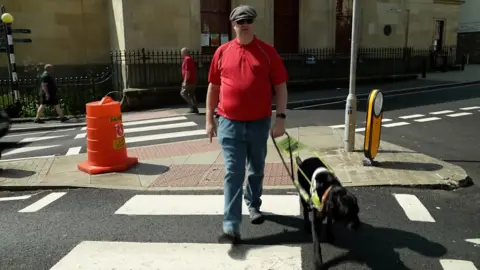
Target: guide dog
x,y
337,203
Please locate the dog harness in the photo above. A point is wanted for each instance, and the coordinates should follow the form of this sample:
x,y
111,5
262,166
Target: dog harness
x,y
291,147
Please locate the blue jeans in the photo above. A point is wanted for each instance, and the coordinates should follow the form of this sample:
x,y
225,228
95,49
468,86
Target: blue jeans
x,y
243,144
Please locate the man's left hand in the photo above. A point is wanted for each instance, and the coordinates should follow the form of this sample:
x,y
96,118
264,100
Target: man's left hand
x,y
278,128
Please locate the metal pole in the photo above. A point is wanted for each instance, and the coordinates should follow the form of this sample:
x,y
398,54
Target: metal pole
x,y
11,57
351,106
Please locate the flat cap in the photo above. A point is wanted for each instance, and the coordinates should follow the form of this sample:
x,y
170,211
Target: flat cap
x,y
243,12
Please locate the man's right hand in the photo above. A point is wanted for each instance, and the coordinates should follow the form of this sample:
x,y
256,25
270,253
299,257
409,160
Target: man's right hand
x,y
211,129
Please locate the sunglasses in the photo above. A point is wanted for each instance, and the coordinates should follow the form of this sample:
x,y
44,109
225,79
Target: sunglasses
x,y
244,21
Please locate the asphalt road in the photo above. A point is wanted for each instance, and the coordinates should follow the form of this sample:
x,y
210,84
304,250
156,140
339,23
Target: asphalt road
x,y
71,141
42,230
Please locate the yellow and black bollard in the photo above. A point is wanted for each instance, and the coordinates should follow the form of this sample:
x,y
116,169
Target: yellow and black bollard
x,y
373,129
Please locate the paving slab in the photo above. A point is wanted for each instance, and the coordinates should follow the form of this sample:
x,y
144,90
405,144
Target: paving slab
x,y
198,164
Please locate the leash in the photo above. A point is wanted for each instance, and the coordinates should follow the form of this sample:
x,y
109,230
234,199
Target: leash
x,y
286,145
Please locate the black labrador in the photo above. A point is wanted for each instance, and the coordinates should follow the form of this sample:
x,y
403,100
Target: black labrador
x,y
338,204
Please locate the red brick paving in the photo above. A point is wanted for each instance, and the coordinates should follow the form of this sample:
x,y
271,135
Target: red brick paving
x,y
212,176
173,149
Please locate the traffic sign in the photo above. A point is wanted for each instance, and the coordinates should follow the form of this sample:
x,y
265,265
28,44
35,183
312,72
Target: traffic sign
x,y
119,130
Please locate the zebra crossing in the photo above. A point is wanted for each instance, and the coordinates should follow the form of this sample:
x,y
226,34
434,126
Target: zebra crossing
x,y
181,214
72,141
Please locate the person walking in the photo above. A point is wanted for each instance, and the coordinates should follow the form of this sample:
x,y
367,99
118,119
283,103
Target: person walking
x,y
48,95
189,74
241,76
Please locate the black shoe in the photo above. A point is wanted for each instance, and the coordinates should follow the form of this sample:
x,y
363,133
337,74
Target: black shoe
x,y
229,238
256,217
39,121
63,119
193,110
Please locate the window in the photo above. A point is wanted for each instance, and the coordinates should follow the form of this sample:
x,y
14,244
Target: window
x,y
216,27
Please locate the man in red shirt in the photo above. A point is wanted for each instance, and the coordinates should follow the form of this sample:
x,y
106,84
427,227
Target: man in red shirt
x,y
189,74
241,77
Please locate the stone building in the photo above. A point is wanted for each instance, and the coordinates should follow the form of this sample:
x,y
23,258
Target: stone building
x,y
82,32
469,30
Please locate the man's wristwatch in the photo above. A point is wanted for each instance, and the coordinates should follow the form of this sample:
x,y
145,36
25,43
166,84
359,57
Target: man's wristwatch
x,y
281,116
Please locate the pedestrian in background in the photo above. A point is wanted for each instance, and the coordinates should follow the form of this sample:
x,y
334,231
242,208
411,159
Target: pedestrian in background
x,y
241,76
189,74
48,95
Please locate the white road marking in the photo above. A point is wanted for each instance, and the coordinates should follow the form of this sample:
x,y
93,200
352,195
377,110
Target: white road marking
x,y
90,255
359,129
397,124
73,151
286,205
383,120
34,207
338,126
164,136
43,138
16,198
154,121
441,112
411,116
457,265
413,208
475,241
40,132
427,119
459,114
29,149
18,159
470,108
80,136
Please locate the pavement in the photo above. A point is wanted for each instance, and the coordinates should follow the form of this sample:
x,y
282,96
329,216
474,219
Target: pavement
x,y
92,229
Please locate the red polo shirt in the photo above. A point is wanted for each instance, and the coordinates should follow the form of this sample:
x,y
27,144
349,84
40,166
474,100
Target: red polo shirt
x,y
189,65
246,74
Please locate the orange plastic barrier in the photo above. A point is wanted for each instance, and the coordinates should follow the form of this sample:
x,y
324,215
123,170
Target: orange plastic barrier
x,y
106,149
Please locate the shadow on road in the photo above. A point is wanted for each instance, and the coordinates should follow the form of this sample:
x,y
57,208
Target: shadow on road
x,y
15,173
410,166
370,245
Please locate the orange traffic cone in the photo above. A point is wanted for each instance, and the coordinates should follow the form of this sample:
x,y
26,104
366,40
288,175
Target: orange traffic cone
x,y
106,148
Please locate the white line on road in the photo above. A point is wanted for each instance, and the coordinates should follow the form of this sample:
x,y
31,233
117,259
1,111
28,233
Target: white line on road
x,y
338,126
359,129
286,205
457,265
413,208
397,124
41,132
80,136
150,121
164,136
89,255
150,128
15,198
73,151
29,149
459,114
470,108
441,112
411,116
427,119
475,241
34,207
36,139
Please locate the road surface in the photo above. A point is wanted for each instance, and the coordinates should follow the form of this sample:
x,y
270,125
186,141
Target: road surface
x,y
113,229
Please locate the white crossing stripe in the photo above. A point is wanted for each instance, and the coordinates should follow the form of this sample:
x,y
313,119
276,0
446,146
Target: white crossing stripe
x,y
338,126
29,149
413,208
427,119
459,114
470,108
73,151
154,121
164,136
397,124
81,136
36,139
442,112
15,198
90,255
457,265
411,116
40,132
34,207
475,241
160,127
359,129
286,205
